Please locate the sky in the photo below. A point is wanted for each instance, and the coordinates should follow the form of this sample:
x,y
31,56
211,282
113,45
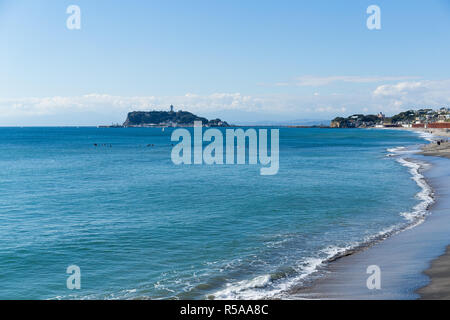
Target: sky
x,y
242,61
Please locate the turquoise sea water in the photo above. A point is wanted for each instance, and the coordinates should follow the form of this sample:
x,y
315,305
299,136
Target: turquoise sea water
x,y
139,226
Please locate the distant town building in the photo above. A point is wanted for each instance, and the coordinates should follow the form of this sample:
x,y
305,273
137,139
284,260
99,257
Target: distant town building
x,y
426,117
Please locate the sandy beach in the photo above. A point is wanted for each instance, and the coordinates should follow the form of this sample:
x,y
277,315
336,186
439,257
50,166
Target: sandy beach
x,y
439,271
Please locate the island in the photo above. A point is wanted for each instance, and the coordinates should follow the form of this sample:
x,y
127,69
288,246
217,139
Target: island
x,y
167,119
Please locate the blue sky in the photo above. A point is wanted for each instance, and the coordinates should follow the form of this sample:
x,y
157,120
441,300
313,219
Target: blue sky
x,y
240,60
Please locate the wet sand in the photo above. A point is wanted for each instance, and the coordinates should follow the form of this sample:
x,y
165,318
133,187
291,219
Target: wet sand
x,y
439,272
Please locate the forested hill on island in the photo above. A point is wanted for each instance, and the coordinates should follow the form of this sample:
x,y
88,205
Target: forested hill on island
x,y
168,119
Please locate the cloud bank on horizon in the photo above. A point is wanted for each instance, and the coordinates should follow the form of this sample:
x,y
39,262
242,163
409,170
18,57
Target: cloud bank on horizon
x,y
94,109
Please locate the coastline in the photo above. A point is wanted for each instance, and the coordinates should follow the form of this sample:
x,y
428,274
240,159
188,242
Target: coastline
x,y
404,257
434,132
438,287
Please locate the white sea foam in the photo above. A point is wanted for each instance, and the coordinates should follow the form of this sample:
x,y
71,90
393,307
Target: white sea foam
x,y
425,195
419,212
426,135
244,289
264,286
400,151
396,149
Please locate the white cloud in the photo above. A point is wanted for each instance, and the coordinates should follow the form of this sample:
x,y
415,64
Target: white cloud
x,y
103,108
96,108
110,103
414,93
402,88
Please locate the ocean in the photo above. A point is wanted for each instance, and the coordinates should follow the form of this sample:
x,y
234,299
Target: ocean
x,y
111,201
